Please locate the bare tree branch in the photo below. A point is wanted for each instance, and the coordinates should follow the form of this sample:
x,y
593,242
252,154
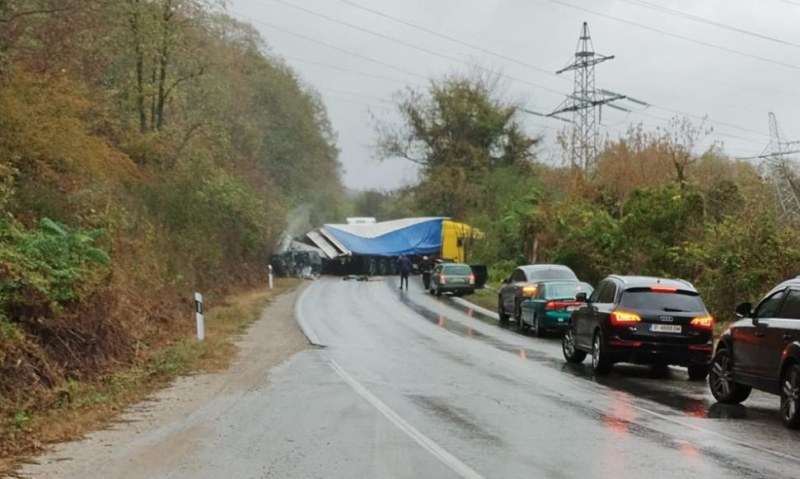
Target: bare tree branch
x,y
39,11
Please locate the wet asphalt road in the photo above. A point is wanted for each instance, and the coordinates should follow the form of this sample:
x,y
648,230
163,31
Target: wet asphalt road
x,y
411,385
408,385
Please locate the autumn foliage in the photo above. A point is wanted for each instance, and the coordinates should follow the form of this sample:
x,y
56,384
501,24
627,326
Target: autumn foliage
x,y
148,149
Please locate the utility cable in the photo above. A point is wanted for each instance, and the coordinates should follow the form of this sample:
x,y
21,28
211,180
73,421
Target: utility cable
x,y
673,35
333,47
347,70
451,39
707,21
412,46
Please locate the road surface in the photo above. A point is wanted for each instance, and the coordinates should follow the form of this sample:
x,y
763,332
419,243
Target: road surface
x,y
408,385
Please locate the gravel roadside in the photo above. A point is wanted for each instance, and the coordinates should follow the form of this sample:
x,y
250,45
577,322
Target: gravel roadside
x,y
272,339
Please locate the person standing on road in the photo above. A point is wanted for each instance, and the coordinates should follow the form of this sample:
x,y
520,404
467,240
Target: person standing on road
x,y
404,266
426,266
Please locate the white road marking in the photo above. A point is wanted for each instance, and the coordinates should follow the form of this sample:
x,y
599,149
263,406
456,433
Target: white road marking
x,y
311,336
469,304
427,443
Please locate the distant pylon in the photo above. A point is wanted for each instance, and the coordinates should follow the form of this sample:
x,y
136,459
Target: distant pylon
x,y
779,169
585,103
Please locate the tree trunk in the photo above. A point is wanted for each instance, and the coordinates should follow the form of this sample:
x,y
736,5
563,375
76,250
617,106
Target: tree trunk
x,y
163,63
135,21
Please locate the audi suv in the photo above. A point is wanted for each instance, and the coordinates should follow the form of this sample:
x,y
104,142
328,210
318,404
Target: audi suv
x,y
643,320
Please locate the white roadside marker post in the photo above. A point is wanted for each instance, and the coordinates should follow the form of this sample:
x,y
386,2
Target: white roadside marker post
x,y
198,308
271,280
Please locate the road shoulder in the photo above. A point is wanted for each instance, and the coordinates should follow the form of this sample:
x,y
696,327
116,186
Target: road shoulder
x,y
268,342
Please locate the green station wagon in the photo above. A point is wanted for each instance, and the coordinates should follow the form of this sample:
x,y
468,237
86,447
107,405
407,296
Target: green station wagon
x,y
456,278
551,305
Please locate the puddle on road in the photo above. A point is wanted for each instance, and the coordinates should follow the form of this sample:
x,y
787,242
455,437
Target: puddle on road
x,y
632,379
457,417
466,331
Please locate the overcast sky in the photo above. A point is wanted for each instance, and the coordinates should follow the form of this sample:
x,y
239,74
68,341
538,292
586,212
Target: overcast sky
x,y
736,82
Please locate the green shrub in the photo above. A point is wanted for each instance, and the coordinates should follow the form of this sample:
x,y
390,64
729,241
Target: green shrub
x,y
46,267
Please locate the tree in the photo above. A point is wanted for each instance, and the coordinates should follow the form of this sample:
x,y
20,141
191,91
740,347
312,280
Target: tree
x,y
678,141
458,131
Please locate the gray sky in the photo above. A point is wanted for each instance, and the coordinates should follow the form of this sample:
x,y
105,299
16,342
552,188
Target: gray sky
x,y
735,90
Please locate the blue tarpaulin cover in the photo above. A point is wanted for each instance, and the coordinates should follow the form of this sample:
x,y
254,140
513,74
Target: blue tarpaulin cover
x,y
410,236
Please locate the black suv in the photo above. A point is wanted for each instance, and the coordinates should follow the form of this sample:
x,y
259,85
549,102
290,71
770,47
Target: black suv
x,y
643,320
762,350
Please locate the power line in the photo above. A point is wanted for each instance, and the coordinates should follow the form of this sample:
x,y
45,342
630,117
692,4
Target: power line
x,y
408,72
333,47
412,46
706,118
363,104
674,35
716,132
347,70
449,38
357,94
707,21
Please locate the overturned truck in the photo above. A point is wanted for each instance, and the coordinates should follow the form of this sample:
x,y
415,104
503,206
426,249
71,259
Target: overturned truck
x,y
373,248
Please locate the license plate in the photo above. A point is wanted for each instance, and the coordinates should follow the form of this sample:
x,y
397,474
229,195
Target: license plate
x,y
458,280
665,328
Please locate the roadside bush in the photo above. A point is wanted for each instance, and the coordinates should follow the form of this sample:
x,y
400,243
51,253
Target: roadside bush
x,y
45,268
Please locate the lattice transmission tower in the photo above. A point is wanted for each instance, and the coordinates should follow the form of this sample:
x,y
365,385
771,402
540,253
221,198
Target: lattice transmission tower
x,y
585,102
779,168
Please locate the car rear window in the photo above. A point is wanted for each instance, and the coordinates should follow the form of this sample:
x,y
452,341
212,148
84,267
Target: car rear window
x,y
459,269
553,274
677,302
567,290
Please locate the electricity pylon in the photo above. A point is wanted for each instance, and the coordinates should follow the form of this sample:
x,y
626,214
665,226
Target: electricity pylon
x,y
779,169
585,103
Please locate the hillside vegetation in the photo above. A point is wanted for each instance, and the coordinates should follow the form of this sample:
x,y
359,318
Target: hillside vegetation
x,y
148,149
653,203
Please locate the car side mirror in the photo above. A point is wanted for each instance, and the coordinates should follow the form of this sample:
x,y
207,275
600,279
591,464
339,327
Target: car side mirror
x,y
743,310
581,297
507,280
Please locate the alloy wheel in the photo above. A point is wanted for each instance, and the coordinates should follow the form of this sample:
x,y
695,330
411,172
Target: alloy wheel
x,y
568,343
790,396
721,376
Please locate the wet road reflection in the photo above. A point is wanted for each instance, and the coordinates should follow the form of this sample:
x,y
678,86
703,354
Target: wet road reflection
x,y
689,398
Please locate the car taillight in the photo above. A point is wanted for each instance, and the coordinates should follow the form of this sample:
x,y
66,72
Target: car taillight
x,y
471,278
663,289
703,322
550,305
442,278
528,290
624,317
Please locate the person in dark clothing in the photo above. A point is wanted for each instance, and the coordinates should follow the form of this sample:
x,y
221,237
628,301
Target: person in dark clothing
x,y
404,266
426,267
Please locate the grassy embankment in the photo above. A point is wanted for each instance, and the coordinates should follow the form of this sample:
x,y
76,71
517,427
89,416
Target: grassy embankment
x,y
84,406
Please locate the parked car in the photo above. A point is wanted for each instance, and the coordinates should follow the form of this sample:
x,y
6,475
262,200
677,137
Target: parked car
x,y
456,278
642,320
551,306
761,350
521,284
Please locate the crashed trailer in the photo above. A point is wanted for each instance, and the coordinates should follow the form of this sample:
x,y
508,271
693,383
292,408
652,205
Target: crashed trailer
x,y
373,248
